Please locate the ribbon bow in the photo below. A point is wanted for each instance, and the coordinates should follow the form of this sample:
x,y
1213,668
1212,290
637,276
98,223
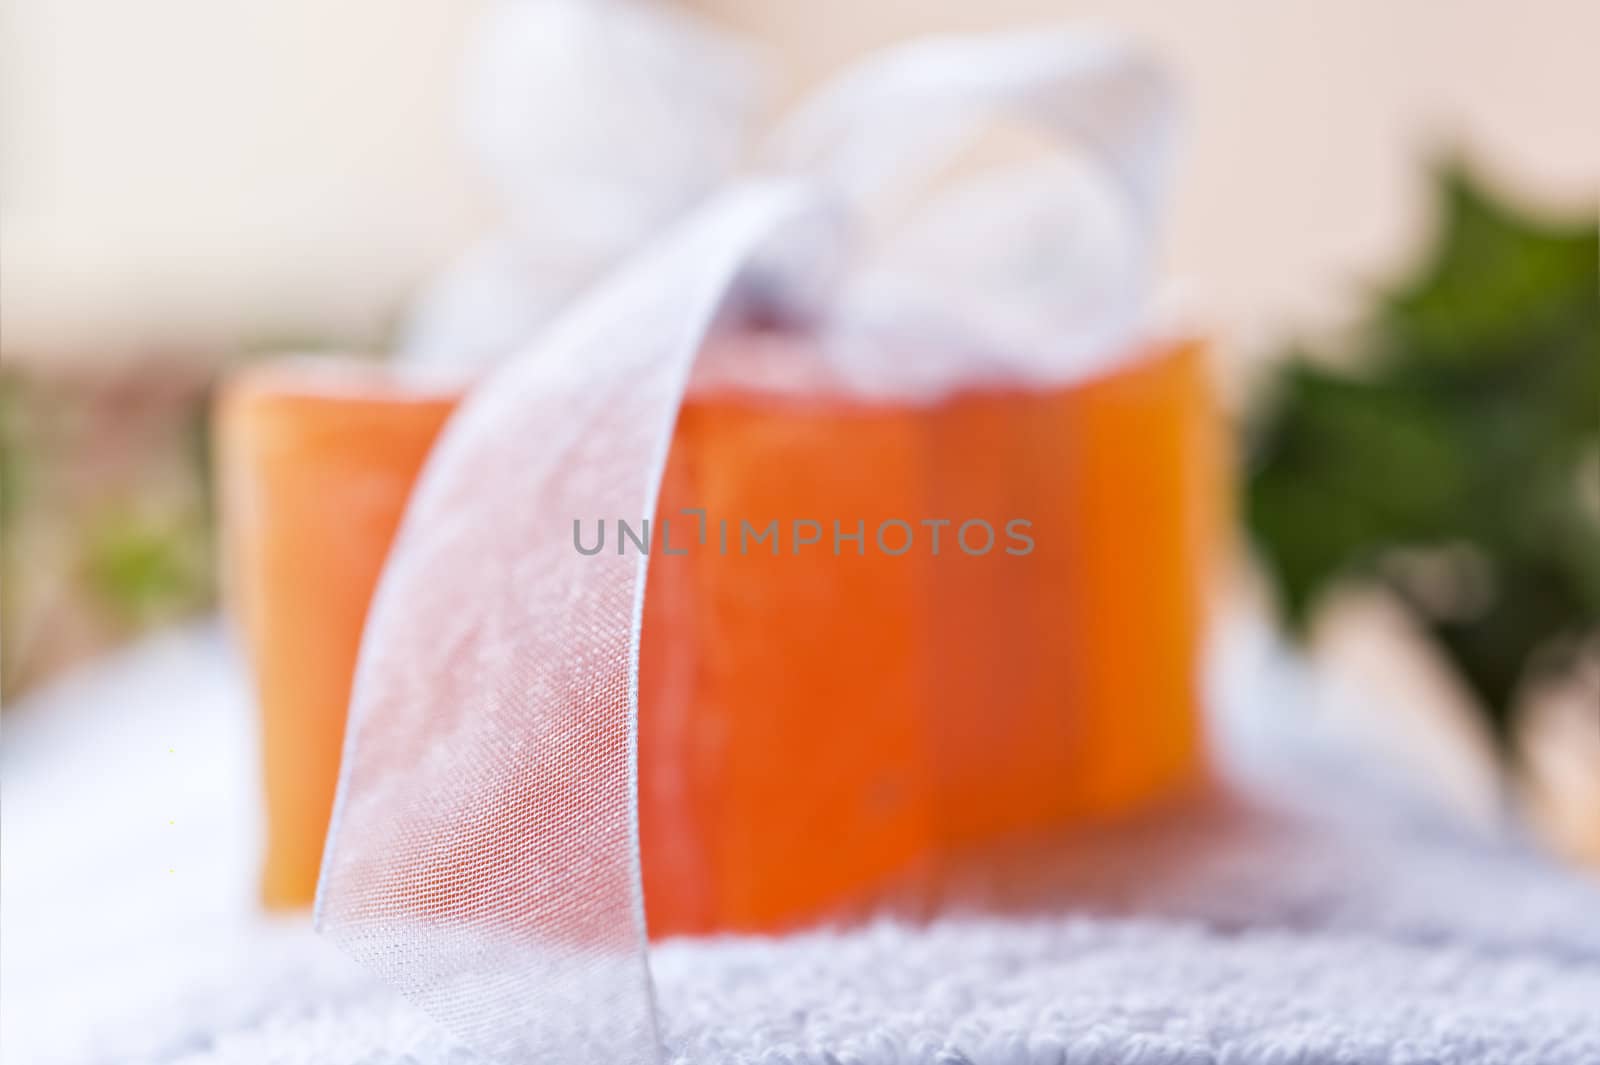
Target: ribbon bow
x,y
484,855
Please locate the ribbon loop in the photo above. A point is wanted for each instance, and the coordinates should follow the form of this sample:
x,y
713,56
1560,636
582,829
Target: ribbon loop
x,y
900,112
1022,274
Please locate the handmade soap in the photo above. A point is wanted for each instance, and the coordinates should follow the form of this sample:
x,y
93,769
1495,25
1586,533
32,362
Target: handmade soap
x,y
875,632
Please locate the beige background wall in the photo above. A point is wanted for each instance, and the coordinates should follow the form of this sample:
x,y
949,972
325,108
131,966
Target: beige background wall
x,y
206,172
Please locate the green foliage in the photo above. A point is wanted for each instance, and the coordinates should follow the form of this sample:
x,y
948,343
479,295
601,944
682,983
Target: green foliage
x,y
146,570
1457,461
105,528
14,484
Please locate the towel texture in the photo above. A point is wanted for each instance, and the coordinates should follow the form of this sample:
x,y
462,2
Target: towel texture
x,y
1310,911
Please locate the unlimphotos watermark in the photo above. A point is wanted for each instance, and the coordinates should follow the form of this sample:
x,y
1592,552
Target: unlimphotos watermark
x,y
730,536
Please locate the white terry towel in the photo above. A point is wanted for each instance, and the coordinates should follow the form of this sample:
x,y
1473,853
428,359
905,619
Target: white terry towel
x,y
1318,913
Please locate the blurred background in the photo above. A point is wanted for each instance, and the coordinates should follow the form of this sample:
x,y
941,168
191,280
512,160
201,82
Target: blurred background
x,y
1384,213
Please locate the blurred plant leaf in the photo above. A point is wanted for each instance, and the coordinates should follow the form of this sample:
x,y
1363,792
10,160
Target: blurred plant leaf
x,y
1467,427
146,570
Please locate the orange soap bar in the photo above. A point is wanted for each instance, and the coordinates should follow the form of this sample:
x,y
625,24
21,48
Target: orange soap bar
x,y
828,701
819,716
315,463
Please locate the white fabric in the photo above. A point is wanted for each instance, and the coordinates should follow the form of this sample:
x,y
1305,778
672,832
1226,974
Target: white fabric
x,y
1322,917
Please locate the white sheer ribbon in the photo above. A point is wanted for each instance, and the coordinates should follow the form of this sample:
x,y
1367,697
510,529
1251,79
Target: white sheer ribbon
x,y
484,853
